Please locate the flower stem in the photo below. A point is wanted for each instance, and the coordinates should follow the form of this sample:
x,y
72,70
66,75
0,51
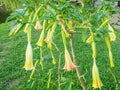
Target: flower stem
x,y
81,80
59,72
59,68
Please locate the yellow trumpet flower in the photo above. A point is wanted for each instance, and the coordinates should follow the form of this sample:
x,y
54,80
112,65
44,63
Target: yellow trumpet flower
x,y
111,59
111,33
108,43
112,36
51,33
41,39
110,53
48,38
29,58
95,75
68,62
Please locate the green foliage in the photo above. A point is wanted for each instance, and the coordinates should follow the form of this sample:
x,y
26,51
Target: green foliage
x,y
50,18
10,5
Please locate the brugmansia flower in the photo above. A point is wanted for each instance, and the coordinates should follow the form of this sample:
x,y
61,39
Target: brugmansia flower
x,y
48,38
95,75
111,33
38,26
110,53
29,58
68,62
41,39
111,59
50,33
90,39
112,36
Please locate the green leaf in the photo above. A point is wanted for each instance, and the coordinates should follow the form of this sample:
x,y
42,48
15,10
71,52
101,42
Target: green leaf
x,y
15,27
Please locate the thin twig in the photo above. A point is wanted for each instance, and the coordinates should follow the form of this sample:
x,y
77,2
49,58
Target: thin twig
x,y
82,83
70,30
59,72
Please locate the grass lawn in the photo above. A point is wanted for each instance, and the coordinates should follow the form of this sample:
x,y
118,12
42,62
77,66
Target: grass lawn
x,y
14,77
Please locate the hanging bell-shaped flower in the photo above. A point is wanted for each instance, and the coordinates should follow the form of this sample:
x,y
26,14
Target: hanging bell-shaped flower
x,y
29,58
95,76
111,33
41,39
112,36
68,62
48,37
38,26
110,53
